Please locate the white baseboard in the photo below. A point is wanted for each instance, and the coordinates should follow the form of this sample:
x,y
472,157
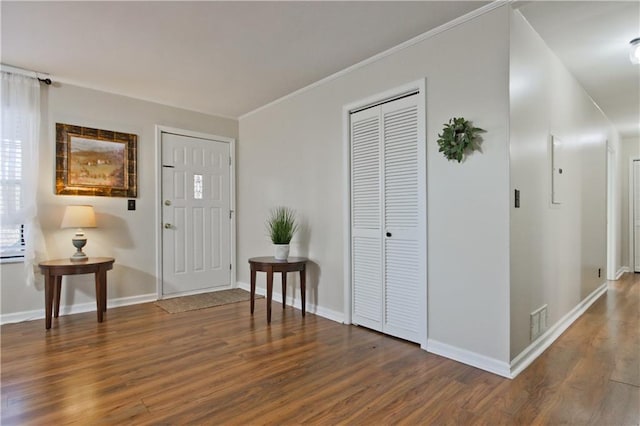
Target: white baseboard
x,y
313,309
535,349
77,308
621,271
492,365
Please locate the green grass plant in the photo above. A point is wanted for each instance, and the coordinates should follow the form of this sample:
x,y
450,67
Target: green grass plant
x,y
281,225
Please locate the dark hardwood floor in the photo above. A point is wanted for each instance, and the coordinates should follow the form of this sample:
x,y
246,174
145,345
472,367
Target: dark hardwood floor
x,y
222,366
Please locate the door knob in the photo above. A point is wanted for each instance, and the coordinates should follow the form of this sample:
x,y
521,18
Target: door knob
x,y
167,226
167,203
388,234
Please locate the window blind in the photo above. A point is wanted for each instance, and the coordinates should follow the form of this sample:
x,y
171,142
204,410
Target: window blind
x,y
11,235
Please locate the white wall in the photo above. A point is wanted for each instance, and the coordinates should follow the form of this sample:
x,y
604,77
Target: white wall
x,y
617,216
629,150
555,250
291,153
614,214
129,236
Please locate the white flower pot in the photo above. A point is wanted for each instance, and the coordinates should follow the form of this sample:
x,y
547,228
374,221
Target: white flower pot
x,y
282,251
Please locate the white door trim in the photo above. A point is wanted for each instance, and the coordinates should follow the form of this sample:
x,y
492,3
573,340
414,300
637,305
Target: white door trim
x,y
232,195
420,87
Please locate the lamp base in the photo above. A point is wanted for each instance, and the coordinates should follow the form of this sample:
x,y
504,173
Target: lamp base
x,y
79,255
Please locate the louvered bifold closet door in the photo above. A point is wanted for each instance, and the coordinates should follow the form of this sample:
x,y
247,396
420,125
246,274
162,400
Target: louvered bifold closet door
x,y
366,218
403,295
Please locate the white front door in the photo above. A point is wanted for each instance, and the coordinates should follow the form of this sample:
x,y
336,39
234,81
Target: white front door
x,y
196,211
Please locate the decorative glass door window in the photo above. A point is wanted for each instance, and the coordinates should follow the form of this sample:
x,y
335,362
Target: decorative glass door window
x,y
197,187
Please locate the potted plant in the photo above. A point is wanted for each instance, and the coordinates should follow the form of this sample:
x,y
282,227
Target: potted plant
x,y
281,225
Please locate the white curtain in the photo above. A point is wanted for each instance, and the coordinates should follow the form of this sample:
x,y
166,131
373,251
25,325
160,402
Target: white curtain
x,y
21,131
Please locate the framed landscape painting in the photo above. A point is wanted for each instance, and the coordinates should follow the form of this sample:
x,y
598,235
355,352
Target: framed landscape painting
x,y
95,162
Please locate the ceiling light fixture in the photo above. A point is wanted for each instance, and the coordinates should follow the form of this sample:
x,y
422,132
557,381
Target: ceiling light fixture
x,y
634,50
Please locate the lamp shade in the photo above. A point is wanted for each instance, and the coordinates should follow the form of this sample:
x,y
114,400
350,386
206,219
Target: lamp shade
x,y
79,217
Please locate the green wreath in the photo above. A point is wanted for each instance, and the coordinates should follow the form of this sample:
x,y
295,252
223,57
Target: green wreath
x,y
457,137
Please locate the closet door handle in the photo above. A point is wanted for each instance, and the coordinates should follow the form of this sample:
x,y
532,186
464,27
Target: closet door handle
x,y
388,234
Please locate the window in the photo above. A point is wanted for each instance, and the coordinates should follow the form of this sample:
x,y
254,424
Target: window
x,y
197,187
12,241
11,235
20,106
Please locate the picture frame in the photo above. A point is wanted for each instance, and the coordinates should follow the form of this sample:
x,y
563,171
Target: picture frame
x,y
95,162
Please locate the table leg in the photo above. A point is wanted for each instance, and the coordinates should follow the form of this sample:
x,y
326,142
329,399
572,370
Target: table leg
x,y
284,289
103,282
57,294
98,296
253,288
48,299
303,288
269,292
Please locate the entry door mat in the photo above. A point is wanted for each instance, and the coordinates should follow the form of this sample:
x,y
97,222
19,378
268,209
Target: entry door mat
x,y
204,300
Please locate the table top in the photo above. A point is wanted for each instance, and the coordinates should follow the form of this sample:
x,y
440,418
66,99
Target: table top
x,y
273,260
67,262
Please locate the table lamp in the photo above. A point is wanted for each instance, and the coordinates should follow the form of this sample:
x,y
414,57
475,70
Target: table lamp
x,y
79,217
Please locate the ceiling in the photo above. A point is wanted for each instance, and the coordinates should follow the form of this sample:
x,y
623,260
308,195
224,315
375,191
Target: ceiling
x,y
592,39
222,58
229,58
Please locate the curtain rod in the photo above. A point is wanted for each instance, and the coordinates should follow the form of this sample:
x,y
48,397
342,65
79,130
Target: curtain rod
x,y
34,74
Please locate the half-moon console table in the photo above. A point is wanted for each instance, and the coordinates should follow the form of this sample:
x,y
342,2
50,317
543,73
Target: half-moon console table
x,y
54,270
270,265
